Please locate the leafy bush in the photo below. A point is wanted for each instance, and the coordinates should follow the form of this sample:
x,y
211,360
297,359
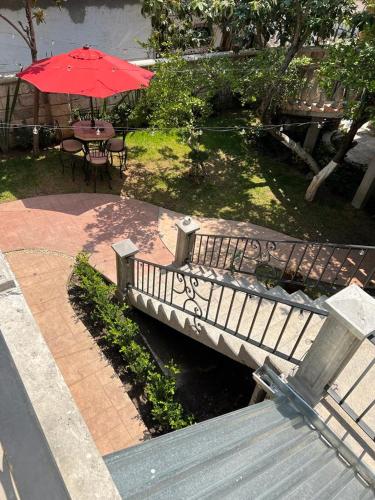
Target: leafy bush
x,y
122,332
23,137
119,114
160,391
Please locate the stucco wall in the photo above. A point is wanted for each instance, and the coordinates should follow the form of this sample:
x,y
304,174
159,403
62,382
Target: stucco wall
x,y
110,25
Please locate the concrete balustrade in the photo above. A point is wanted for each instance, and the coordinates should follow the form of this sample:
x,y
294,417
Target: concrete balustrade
x,y
124,250
186,228
351,320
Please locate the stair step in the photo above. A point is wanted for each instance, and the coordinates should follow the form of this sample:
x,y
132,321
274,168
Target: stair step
x,y
300,297
248,282
320,302
278,291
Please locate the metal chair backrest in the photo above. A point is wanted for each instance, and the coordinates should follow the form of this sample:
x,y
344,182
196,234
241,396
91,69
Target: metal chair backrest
x,y
97,150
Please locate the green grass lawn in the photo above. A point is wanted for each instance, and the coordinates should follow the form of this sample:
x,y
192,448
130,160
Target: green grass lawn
x,y
242,184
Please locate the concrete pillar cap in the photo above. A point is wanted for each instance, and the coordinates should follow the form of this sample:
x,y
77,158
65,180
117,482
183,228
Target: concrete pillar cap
x,y
355,309
125,248
188,225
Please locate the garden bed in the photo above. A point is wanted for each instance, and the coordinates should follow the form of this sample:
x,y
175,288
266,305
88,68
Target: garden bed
x,y
203,384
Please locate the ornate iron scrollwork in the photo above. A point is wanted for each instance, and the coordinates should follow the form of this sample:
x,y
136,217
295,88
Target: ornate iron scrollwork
x,y
261,254
189,288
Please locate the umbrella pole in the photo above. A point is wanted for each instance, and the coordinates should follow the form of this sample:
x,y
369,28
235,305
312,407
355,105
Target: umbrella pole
x,y
92,113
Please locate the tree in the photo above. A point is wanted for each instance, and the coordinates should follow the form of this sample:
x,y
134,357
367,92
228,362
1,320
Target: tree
x,y
172,24
255,23
353,65
299,22
180,96
221,13
290,24
254,77
26,31
173,21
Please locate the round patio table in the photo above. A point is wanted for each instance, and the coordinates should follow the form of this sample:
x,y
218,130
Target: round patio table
x,y
100,133
86,133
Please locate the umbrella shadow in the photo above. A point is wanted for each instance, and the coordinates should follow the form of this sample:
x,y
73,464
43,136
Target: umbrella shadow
x,y
105,219
70,204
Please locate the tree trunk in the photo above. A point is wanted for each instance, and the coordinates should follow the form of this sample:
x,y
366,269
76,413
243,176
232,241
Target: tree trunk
x,y
264,107
34,57
28,35
346,144
36,148
296,44
259,36
297,149
226,40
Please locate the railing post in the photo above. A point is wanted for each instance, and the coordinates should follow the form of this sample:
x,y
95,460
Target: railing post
x,y
124,250
186,228
351,319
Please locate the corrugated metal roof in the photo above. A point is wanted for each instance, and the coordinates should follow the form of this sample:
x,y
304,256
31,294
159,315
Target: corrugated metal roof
x,y
263,451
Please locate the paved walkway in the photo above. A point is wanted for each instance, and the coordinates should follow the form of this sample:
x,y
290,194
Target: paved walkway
x,y
109,413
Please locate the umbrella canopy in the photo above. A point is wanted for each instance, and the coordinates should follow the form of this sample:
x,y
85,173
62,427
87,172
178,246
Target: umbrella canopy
x,y
87,72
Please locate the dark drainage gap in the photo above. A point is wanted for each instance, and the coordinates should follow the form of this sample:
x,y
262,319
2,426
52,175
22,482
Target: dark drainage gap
x,y
210,384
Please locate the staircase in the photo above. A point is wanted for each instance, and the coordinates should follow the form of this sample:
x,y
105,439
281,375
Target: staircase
x,y
235,315
268,450
251,283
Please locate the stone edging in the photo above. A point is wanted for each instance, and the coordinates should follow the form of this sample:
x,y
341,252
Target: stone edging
x,y
81,466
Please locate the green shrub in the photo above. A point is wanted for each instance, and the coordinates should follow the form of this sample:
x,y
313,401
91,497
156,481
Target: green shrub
x,y
122,332
160,391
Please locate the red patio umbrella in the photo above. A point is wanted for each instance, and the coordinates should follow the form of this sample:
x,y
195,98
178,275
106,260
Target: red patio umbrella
x,y
87,72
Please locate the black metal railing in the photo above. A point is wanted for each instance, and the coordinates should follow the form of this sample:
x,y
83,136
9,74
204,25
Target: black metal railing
x,y
358,397
276,325
302,263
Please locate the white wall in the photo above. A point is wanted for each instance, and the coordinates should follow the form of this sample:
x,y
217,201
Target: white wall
x,y
110,25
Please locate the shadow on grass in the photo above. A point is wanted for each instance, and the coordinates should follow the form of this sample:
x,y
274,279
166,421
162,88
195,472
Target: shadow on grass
x,y
249,186
137,151
167,153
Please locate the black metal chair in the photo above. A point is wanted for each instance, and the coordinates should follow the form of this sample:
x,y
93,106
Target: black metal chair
x,y
97,157
69,147
118,147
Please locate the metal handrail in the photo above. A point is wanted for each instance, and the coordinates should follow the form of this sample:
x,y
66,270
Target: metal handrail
x,y
356,415
322,243
288,261
160,282
239,288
